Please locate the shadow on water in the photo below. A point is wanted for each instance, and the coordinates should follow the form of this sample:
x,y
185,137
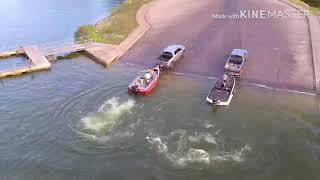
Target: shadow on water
x,y
69,56
75,55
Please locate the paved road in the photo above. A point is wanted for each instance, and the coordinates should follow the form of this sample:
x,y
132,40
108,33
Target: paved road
x,y
279,49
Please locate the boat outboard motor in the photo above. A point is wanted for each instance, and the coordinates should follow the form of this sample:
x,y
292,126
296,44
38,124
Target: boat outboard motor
x,y
215,101
134,88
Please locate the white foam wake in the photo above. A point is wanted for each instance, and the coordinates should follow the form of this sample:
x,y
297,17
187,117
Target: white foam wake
x,y
108,116
198,150
237,155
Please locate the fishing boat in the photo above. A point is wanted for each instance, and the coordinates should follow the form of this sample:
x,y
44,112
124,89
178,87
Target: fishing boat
x,y
145,82
222,91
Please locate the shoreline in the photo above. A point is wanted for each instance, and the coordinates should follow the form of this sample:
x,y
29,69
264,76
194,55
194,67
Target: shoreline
x,y
253,84
257,84
313,9
116,27
103,19
106,53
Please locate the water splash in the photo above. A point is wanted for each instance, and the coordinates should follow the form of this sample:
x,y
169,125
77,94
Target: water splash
x,y
193,157
108,117
157,145
203,138
199,150
236,156
208,125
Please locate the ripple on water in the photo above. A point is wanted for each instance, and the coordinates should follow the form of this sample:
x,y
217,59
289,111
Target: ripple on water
x,y
101,130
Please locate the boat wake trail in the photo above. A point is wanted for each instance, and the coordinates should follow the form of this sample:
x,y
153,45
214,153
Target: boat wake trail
x,y
199,150
109,116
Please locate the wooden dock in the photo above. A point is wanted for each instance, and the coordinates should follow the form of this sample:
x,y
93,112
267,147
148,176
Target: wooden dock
x,y
6,54
38,56
37,61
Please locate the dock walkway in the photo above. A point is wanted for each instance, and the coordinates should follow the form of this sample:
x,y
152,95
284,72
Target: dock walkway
x,y
68,48
36,57
39,56
37,61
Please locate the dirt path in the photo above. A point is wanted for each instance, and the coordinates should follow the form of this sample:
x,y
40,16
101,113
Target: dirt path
x,y
279,49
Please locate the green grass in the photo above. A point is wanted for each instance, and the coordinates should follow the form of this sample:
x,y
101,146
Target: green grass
x,y
117,27
91,31
312,5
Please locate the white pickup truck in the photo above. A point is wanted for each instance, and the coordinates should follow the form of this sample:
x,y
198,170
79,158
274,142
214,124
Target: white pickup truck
x,y
236,62
170,56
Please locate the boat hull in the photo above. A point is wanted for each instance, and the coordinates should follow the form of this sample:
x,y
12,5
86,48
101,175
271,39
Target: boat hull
x,y
220,97
147,91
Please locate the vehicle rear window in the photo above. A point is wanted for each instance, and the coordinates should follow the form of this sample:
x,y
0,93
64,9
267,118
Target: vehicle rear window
x,y
167,55
235,61
236,56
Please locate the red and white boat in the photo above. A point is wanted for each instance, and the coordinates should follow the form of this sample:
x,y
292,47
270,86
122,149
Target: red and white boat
x,y
145,82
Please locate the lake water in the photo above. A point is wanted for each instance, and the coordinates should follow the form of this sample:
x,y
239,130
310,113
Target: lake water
x,y
77,120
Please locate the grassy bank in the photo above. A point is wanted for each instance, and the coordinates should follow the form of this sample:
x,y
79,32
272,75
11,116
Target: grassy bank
x,y
117,27
312,5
